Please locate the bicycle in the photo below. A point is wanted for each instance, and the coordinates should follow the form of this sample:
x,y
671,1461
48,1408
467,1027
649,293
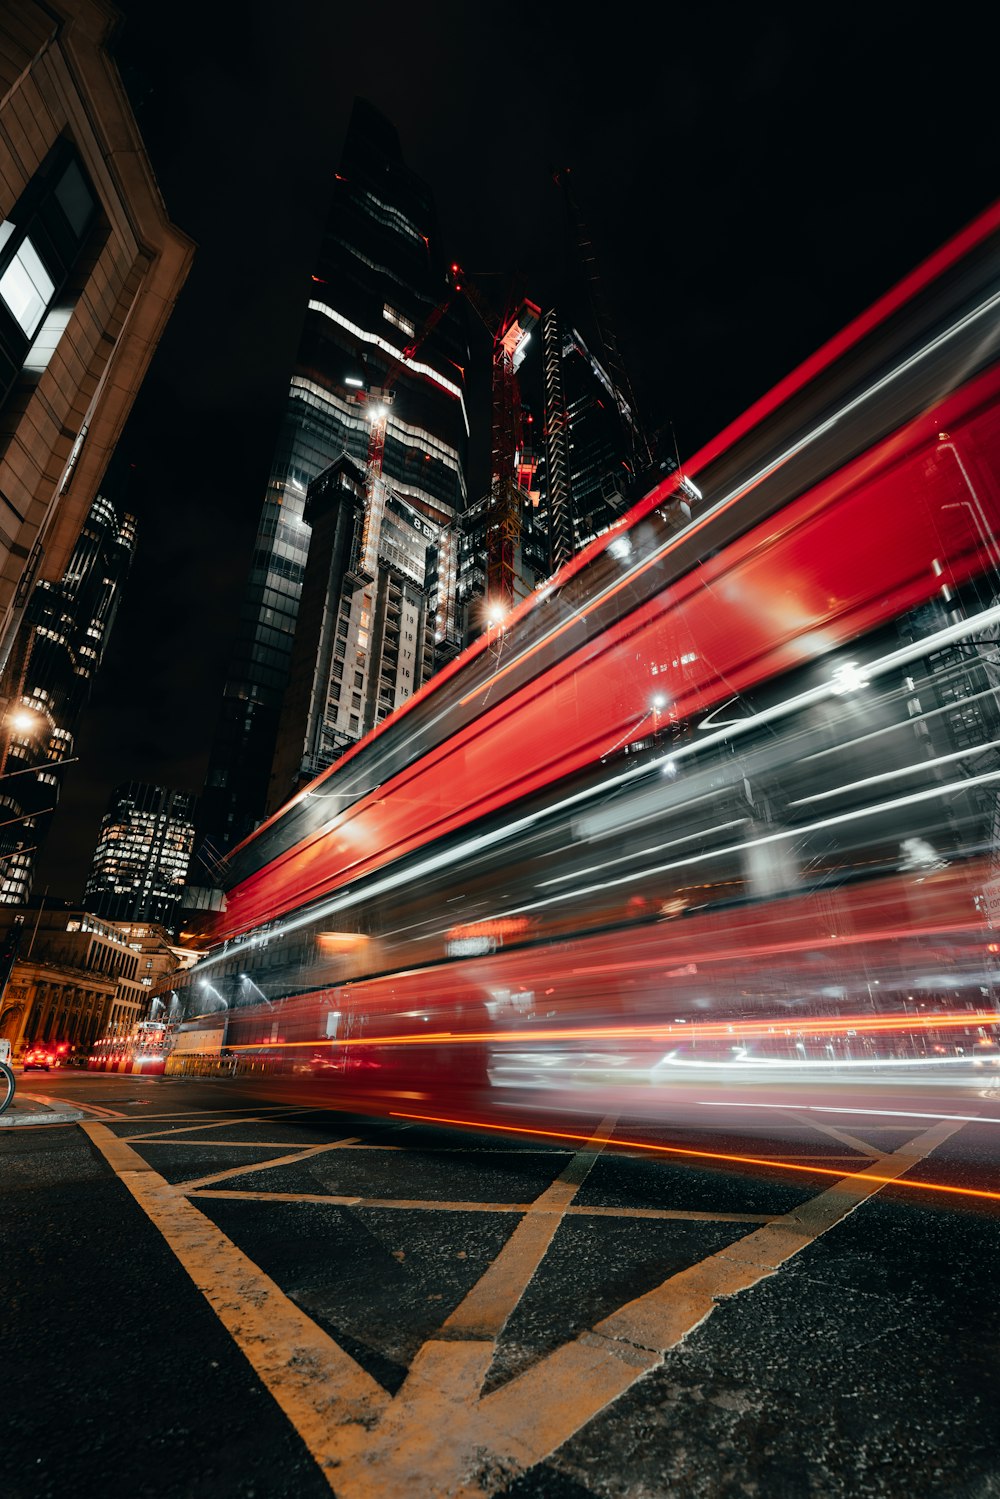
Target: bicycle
x,y
6,1077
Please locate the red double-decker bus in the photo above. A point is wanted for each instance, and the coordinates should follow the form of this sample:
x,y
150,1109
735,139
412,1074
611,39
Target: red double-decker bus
x,y
736,766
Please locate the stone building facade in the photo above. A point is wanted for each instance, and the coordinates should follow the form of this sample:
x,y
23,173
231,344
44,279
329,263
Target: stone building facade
x,y
90,268
74,978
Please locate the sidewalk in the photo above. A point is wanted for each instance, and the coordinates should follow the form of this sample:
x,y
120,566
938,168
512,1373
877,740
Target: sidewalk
x,y
29,1108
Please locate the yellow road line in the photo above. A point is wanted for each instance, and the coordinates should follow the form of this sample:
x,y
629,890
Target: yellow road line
x,y
88,1108
861,1146
224,1144
531,1419
476,1445
433,1204
484,1311
319,1388
234,1116
292,1159
439,1438
187,1129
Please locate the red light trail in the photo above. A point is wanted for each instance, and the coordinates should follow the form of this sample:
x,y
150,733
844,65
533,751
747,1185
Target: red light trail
x,y
901,1024
705,1155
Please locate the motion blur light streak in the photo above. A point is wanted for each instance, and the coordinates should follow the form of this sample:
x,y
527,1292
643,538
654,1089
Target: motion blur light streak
x,y
604,868
893,775
933,793
693,1031
822,1108
710,1155
475,846
964,630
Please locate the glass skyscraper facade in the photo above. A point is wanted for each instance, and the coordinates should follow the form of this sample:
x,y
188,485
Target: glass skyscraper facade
x,y
379,285
142,856
365,636
585,478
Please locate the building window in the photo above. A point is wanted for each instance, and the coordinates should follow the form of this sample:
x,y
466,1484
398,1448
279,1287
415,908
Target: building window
x,y
27,287
398,320
40,242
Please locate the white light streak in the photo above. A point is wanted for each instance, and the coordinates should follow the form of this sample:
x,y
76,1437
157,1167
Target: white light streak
x,y
465,850
930,794
640,853
416,365
894,775
817,1108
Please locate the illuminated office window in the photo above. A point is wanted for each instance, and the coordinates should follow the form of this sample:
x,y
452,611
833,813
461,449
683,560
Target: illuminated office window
x,y
26,287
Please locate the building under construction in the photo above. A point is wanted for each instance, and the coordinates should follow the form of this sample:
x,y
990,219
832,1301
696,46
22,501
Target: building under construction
x,y
380,287
371,567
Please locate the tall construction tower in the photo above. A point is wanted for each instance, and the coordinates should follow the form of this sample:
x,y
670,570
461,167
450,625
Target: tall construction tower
x,y
510,334
556,437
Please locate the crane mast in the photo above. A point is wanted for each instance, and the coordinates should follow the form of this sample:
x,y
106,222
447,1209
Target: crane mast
x,y
510,334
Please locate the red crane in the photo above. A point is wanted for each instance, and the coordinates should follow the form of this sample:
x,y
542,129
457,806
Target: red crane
x,y
509,333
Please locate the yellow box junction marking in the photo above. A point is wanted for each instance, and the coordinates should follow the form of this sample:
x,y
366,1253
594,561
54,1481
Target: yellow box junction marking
x,y
439,1437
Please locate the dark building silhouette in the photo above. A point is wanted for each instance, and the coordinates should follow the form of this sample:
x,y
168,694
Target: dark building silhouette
x,y
47,683
141,861
378,290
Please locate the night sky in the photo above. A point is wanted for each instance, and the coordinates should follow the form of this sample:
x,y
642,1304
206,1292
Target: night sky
x,y
752,179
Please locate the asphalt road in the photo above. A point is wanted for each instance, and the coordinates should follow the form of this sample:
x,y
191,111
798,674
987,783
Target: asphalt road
x,y
210,1295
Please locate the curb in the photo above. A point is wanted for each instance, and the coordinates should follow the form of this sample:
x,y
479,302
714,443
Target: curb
x,y
29,1110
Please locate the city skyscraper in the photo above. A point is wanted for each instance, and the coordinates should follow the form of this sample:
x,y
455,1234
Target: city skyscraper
x,y
47,682
380,288
585,473
141,860
365,638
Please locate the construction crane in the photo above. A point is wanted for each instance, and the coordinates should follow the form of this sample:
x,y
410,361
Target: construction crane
x,y
377,399
509,333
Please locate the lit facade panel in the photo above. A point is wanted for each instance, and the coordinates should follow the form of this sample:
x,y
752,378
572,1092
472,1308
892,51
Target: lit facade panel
x,y
141,861
584,479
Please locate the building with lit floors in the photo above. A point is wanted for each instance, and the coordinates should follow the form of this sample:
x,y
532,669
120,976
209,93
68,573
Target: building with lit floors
x,y
380,289
476,609
141,861
47,683
365,638
585,471
90,268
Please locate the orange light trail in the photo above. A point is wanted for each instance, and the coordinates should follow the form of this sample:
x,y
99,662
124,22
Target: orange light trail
x,y
705,1155
716,1030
